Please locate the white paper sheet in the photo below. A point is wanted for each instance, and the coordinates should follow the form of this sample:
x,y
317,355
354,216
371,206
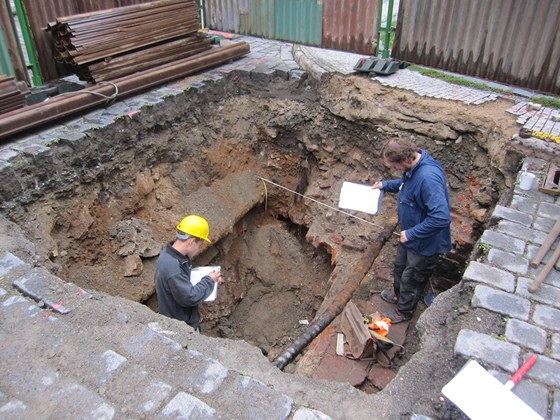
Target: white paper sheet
x,y
196,275
360,197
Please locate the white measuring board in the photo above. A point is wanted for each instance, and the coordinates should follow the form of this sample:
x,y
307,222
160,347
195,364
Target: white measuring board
x,y
360,197
199,272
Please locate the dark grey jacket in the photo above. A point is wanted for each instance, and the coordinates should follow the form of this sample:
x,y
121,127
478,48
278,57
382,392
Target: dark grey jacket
x,y
177,297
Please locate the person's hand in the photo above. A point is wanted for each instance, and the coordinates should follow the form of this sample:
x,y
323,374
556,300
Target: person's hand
x,y
377,185
216,276
403,236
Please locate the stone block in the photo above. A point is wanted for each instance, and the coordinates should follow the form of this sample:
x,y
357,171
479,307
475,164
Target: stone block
x,y
501,302
549,210
546,294
526,335
506,213
508,261
556,404
186,406
555,346
524,204
504,242
8,262
471,344
521,232
304,413
547,317
492,276
546,370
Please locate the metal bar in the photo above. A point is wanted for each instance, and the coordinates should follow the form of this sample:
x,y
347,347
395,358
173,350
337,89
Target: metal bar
x,y
64,105
380,26
37,77
351,283
388,28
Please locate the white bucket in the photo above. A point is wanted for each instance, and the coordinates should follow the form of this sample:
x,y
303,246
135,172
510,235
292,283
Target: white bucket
x,y
526,180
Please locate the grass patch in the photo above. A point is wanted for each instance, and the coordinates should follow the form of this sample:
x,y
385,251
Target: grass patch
x,y
457,80
546,101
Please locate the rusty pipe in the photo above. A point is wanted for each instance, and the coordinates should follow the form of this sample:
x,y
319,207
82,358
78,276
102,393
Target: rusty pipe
x,y
339,302
64,105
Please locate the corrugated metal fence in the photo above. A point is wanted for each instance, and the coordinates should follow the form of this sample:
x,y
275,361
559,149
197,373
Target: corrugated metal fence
x,y
347,25
511,41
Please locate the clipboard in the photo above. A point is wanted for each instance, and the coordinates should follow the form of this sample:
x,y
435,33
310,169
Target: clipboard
x,y
196,275
360,197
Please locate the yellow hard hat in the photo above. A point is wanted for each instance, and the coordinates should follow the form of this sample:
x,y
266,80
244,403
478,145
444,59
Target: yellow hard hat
x,y
194,226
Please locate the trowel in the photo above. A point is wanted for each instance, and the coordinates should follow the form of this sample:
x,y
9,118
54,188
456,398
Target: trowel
x,y
482,397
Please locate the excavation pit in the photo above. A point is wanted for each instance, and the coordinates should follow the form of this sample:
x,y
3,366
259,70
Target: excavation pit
x,y
99,209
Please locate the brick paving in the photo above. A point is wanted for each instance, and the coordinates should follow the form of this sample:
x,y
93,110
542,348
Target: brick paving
x,y
34,302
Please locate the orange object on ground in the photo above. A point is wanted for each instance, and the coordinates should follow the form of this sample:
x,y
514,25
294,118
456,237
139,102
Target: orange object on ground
x,y
381,325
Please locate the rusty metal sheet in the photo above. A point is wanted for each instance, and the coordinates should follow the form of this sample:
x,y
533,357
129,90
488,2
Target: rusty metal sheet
x,y
227,15
510,41
351,25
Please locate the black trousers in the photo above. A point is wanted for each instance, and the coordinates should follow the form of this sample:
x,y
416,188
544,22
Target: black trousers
x,y
410,275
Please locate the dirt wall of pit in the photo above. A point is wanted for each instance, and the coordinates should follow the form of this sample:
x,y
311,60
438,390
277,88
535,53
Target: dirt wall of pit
x,y
205,151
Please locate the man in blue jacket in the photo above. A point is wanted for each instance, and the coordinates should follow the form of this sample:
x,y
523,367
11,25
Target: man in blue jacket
x,y
424,218
177,297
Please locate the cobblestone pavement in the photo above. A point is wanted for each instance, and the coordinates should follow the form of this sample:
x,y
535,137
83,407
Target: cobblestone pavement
x,y
37,304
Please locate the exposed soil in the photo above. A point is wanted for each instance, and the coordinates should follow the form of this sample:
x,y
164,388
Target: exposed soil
x,y
283,253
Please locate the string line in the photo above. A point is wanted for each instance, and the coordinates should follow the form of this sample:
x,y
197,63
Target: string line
x,y
315,201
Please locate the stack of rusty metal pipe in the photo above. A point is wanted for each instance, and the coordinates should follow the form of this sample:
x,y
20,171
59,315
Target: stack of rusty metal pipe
x,y
112,43
12,93
105,92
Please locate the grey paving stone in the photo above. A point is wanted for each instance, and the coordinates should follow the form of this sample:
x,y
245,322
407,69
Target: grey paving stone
x,y
145,395
501,302
547,294
508,261
485,273
555,346
186,406
546,370
504,242
8,262
14,409
472,344
205,376
304,413
521,232
549,210
8,154
264,402
97,367
547,317
556,405
552,278
526,335
18,308
531,393
506,213
37,284
4,167
524,204
78,401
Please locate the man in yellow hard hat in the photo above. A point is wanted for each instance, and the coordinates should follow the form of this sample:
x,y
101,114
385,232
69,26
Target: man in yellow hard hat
x,y
177,297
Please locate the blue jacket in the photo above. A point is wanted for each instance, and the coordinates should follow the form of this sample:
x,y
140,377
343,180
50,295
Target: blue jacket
x,y
423,207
